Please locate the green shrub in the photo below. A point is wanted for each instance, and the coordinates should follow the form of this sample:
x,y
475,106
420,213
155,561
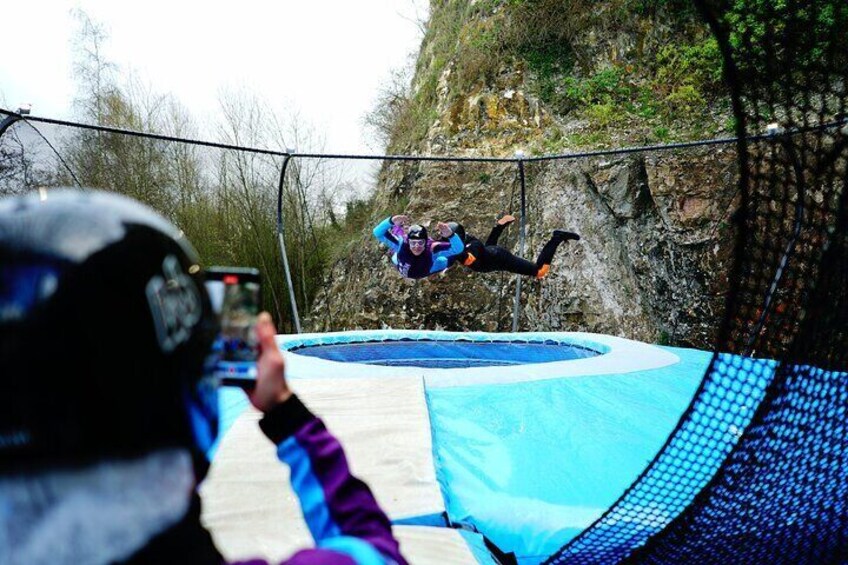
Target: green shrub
x,y
753,22
697,65
602,115
684,100
680,8
609,87
662,133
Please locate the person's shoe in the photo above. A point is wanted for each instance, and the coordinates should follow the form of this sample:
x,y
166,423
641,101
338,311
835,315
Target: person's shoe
x,y
506,219
543,270
563,235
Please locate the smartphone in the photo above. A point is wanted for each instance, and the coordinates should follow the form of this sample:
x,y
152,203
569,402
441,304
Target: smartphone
x,y
235,294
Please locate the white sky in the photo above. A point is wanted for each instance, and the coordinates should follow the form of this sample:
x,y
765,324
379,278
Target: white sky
x,y
323,59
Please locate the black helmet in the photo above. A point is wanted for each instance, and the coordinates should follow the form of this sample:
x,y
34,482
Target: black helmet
x,y
457,228
105,326
417,231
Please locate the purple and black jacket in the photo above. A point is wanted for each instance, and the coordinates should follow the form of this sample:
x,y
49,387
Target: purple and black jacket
x,y
347,525
434,259
345,521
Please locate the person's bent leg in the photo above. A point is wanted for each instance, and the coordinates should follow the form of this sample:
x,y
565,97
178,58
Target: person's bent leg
x,y
546,256
498,229
503,260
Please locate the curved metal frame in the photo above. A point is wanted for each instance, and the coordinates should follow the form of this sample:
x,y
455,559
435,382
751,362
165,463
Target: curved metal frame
x,y
281,239
522,232
8,121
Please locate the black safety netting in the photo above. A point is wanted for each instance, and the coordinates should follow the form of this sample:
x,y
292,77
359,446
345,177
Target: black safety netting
x,y
630,274
224,197
755,471
364,289
222,194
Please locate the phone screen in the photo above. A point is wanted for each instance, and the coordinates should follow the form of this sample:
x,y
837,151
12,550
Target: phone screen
x,y
235,295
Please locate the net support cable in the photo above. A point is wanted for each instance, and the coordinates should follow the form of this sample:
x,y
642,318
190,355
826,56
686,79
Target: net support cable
x,y
8,121
519,159
431,158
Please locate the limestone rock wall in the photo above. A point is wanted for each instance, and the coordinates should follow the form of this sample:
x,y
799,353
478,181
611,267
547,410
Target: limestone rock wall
x,y
656,227
651,264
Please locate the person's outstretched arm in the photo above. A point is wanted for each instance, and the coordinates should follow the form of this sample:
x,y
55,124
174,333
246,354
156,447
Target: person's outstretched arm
x,y
383,232
456,246
441,255
340,510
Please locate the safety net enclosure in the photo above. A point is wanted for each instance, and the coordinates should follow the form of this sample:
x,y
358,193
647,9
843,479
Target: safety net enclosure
x,y
337,276
778,492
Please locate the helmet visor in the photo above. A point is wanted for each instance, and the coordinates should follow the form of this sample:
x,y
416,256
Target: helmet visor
x,y
24,285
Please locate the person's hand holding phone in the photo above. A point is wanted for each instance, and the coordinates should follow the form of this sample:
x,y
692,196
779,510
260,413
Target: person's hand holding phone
x,y
235,294
271,386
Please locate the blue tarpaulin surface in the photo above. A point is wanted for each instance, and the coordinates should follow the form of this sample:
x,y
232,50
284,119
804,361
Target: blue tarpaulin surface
x,y
531,464
232,402
445,354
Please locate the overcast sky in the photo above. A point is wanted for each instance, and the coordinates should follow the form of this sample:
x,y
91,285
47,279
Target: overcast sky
x,y
322,58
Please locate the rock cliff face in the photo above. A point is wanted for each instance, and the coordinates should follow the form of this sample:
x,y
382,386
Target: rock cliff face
x,y
655,226
655,246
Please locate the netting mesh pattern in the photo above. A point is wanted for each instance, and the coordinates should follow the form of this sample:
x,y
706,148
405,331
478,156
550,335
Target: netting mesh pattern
x,y
779,498
757,470
727,401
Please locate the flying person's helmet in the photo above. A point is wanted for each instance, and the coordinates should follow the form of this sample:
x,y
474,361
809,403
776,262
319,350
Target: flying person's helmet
x,y
417,231
105,326
457,228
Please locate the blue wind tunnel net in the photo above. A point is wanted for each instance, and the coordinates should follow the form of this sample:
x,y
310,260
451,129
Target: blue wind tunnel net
x,y
445,354
768,484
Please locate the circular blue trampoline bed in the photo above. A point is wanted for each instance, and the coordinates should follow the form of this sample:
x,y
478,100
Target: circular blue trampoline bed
x,y
446,354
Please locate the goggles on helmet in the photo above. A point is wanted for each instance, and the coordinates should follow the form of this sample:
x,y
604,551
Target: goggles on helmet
x,y
24,285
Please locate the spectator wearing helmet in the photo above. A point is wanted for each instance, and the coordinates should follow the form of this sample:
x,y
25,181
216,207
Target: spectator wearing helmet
x,y
414,254
489,256
108,407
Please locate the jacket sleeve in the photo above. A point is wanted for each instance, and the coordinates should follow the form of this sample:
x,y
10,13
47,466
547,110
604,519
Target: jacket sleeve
x,y
441,257
340,510
456,247
383,232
